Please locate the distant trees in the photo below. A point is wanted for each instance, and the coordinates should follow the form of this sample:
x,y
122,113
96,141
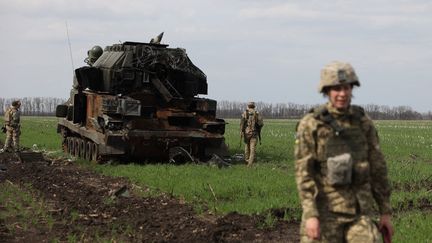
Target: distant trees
x,y
229,109
33,106
46,106
394,113
233,109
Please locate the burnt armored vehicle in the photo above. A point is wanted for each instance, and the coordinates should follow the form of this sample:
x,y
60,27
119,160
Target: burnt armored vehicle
x,y
139,101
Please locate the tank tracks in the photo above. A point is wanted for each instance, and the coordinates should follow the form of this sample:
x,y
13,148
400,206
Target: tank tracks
x,y
81,148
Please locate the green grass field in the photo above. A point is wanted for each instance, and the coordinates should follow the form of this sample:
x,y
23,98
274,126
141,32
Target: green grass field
x,y
270,184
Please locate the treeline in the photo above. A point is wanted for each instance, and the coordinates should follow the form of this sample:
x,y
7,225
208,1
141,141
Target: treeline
x,y
230,109
46,106
33,106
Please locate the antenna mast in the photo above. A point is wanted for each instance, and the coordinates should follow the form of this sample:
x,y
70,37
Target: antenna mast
x,y
70,48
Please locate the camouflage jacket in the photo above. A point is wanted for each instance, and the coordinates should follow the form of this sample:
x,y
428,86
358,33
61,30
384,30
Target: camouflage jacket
x,y
12,117
317,139
251,122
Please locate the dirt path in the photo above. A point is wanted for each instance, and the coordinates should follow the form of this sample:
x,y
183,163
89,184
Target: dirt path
x,y
91,206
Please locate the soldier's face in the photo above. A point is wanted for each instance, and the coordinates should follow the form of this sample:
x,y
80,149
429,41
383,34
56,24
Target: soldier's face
x,y
340,96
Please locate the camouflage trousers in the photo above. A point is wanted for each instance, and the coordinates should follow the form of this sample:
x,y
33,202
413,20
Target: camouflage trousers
x,y
344,228
12,138
250,148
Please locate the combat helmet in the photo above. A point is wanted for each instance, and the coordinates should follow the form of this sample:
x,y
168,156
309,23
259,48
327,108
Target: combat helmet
x,y
93,55
16,103
337,73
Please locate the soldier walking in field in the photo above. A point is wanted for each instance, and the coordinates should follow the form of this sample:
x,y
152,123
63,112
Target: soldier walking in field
x,y
12,127
251,123
340,169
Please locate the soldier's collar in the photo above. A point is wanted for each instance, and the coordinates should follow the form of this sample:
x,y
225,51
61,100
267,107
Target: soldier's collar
x,y
337,112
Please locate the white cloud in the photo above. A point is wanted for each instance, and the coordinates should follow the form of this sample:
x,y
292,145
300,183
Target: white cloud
x,y
368,13
286,10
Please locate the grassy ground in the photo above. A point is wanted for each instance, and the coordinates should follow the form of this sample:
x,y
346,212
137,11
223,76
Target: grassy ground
x,y
270,182
22,209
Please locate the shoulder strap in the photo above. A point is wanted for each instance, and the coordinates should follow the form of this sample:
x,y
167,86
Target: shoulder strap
x,y
358,111
321,113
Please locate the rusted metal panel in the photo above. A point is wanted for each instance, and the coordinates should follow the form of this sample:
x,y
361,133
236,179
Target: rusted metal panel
x,y
76,128
172,134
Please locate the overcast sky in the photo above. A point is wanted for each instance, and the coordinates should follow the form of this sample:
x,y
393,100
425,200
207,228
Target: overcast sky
x,y
266,50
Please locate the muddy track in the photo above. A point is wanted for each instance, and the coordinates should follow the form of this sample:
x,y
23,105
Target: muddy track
x,y
91,206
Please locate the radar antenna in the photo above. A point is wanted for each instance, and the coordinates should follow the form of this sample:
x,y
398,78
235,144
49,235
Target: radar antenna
x,y
70,48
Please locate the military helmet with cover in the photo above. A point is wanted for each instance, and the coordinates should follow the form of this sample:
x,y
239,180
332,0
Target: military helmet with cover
x,y
337,73
16,103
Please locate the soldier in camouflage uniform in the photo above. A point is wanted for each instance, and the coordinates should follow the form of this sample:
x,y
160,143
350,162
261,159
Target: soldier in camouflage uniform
x,y
251,123
13,127
340,169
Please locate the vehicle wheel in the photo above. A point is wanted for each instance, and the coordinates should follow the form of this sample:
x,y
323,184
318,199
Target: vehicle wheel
x,y
77,147
71,148
65,145
82,148
88,151
94,152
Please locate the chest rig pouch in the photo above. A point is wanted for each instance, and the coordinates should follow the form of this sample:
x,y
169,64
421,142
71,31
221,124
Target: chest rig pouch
x,y
339,169
342,151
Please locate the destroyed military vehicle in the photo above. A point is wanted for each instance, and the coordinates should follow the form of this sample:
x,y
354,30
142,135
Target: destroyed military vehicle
x,y
139,102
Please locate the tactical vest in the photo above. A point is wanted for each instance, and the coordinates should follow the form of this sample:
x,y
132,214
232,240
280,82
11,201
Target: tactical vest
x,y
333,139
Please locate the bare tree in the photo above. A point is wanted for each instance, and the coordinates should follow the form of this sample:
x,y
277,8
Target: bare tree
x,y
33,106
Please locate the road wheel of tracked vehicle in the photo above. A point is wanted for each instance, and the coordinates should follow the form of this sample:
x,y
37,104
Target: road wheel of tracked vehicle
x,y
82,148
88,151
77,147
71,148
66,145
94,152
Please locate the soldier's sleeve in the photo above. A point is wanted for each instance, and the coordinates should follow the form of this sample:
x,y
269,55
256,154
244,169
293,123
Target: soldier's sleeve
x,y
260,120
242,121
305,156
378,168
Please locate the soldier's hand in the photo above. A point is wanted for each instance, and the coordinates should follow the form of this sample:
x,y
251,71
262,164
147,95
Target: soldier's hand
x,y
313,228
